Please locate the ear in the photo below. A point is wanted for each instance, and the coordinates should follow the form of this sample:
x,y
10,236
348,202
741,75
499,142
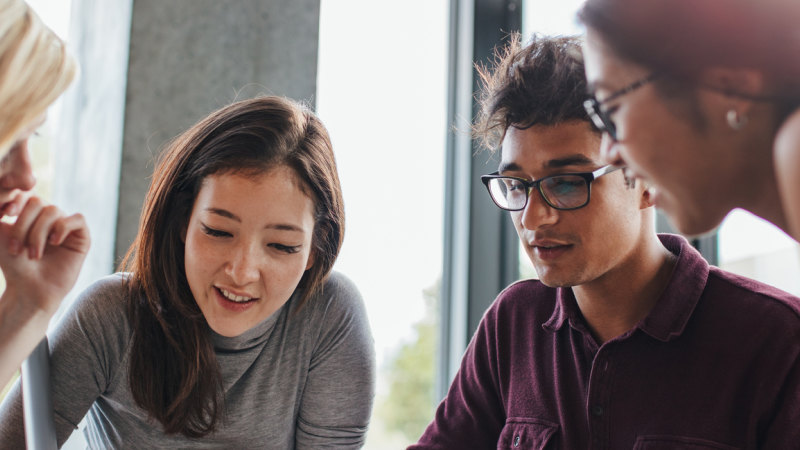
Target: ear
x,y
647,195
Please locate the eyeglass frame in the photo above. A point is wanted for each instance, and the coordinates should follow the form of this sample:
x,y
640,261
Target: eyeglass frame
x,y
589,177
600,118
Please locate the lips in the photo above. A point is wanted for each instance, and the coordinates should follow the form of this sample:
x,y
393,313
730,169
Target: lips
x,y
549,250
233,300
233,297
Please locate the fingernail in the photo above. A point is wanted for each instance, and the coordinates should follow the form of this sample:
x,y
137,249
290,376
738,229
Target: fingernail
x,y
11,210
14,247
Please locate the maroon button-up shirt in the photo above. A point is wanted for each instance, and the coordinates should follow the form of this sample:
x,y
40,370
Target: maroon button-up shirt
x,y
716,364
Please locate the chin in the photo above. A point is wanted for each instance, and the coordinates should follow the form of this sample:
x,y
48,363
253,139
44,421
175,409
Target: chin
x,y
690,218
227,331
695,226
552,281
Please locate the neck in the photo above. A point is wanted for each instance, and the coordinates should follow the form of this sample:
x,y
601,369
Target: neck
x,y
764,197
623,297
759,190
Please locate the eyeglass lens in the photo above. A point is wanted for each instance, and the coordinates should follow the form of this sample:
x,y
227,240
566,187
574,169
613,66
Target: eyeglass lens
x,y
560,192
600,118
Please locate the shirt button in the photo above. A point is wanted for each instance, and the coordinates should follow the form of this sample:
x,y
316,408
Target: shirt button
x,y
597,410
516,441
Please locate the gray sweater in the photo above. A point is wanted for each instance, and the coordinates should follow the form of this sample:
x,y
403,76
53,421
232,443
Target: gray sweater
x,y
302,380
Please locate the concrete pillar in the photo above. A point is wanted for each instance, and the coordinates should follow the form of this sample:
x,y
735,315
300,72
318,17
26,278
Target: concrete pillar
x,y
190,57
87,144
149,70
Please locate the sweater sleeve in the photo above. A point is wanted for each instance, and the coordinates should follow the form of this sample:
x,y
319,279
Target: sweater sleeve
x,y
84,350
472,413
337,398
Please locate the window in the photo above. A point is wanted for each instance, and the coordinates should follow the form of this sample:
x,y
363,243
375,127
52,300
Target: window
x,y
551,18
381,93
755,248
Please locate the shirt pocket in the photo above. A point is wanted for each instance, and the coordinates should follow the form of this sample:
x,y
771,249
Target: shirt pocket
x,y
678,442
524,433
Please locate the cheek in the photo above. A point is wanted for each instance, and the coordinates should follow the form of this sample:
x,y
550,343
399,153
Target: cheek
x,y
198,255
643,133
516,218
286,271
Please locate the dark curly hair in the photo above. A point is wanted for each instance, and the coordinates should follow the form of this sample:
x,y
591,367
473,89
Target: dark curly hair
x,y
542,83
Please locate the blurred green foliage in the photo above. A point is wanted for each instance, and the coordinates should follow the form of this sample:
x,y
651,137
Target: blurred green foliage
x,y
410,403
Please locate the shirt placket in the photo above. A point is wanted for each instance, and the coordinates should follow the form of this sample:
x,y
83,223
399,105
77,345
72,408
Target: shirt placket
x,y
598,398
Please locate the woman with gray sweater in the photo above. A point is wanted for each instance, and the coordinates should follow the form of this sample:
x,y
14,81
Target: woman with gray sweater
x,y
227,328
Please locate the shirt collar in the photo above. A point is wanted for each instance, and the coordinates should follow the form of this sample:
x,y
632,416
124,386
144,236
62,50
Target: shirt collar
x,y
253,337
566,309
673,309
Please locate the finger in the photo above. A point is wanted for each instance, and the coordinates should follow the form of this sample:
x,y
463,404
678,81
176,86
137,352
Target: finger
x,y
14,204
19,230
71,232
40,230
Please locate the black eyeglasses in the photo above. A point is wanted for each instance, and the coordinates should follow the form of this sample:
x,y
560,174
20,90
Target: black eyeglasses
x,y
564,191
600,117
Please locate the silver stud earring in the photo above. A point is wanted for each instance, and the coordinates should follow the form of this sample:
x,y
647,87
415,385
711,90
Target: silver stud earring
x,y
735,120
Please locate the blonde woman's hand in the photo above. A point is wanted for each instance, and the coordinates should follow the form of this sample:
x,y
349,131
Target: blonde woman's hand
x,y
41,254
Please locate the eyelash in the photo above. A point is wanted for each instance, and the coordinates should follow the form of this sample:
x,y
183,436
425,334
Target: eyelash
x,y
215,233
288,249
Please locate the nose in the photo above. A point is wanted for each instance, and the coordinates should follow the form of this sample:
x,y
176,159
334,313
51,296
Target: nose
x,y
16,170
609,151
243,267
537,212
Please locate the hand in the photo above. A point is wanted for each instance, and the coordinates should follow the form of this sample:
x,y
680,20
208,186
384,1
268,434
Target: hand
x,y
11,202
41,254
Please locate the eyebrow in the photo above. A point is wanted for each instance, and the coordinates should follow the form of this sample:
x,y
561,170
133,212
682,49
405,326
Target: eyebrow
x,y
272,226
572,160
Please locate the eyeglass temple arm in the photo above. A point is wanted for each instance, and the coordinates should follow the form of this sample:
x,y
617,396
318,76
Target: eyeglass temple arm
x,y
605,169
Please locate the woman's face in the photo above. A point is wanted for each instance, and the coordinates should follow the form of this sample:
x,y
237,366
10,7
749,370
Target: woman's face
x,y
247,244
674,147
16,169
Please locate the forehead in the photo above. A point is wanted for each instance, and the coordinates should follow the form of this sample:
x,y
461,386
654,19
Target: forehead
x,y
546,147
275,195
605,69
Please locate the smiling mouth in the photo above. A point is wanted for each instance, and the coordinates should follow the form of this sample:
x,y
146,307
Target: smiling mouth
x,y
235,298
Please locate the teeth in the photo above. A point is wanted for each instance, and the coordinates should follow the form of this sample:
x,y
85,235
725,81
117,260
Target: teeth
x,y
234,298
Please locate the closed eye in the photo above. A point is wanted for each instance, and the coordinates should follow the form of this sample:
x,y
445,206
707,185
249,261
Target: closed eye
x,y
288,249
214,232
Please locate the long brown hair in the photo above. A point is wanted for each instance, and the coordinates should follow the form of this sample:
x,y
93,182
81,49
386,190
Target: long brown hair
x,y
173,370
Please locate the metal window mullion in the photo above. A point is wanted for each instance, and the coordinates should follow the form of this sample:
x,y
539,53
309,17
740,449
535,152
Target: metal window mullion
x,y
480,245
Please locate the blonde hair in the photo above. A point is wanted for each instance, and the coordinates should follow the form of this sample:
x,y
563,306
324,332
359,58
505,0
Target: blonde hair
x,y
35,69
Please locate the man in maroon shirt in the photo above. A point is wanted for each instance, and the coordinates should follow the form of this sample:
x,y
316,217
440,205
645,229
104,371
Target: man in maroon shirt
x,y
630,339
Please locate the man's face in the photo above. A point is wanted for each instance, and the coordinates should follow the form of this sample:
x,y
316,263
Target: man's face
x,y
570,248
